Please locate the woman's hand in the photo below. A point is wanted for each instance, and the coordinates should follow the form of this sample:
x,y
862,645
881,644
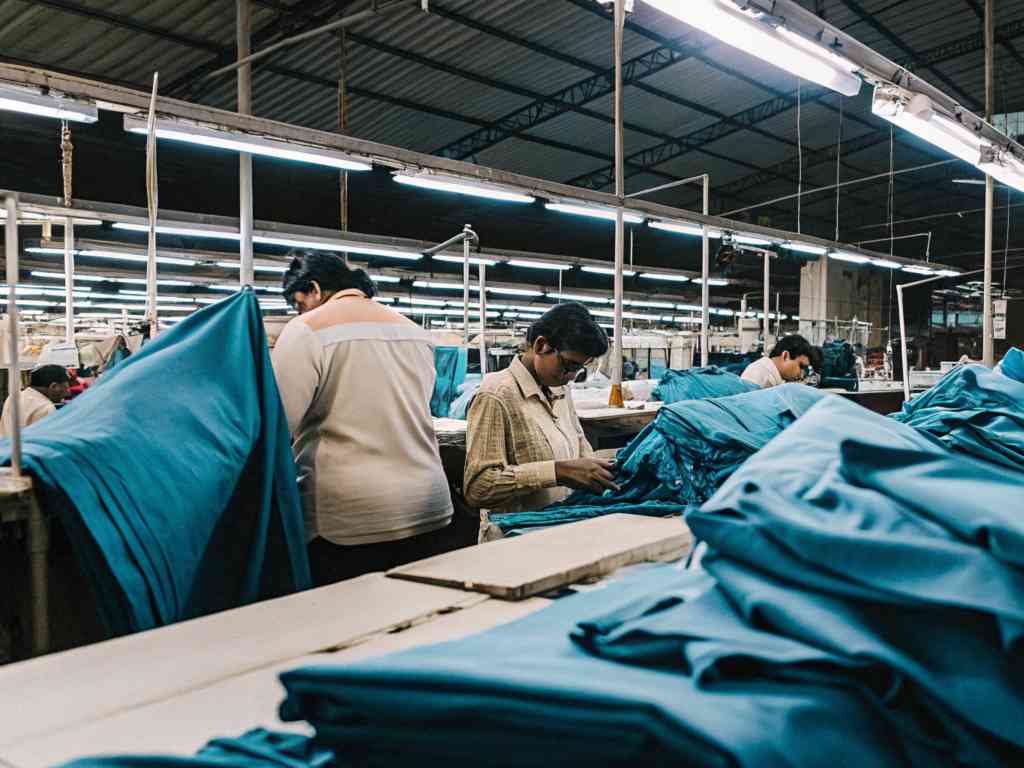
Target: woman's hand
x,y
586,474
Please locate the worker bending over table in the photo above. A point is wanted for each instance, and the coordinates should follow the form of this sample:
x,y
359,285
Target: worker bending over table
x,y
48,388
788,361
524,444
356,379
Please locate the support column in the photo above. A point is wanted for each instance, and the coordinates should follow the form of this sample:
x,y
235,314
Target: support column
x,y
615,398
245,274
987,343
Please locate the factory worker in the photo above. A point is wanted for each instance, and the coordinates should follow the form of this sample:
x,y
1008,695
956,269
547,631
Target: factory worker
x,y
356,379
525,446
789,361
48,387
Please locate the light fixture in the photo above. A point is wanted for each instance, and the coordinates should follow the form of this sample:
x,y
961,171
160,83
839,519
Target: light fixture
x,y
461,186
577,297
664,276
223,138
608,271
442,286
594,212
32,102
30,218
385,279
346,246
417,300
814,250
916,270
717,281
117,256
750,240
766,38
538,264
886,263
694,230
1003,166
255,267
475,260
914,112
515,291
689,307
652,304
853,258
948,273
162,229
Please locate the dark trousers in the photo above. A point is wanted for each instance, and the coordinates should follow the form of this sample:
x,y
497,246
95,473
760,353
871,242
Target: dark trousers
x,y
330,563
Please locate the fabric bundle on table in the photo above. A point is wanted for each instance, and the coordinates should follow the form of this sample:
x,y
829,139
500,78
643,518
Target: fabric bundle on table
x,y
839,366
699,383
680,458
258,748
862,604
450,364
467,391
973,410
173,475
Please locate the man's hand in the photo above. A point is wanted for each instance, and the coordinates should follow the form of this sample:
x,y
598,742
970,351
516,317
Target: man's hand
x,y
586,474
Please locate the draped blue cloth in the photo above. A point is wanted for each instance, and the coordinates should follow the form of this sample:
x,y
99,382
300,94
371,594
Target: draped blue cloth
x,y
258,748
1012,364
680,458
450,365
467,391
173,475
975,411
698,384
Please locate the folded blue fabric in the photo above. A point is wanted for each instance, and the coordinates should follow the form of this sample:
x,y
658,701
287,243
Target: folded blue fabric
x,y
258,748
1012,364
525,694
450,364
682,457
173,475
973,410
698,384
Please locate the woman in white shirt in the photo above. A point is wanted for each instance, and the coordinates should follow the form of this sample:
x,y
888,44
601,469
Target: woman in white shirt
x,y
356,379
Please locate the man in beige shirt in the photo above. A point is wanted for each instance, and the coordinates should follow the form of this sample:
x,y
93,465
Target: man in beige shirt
x,y
356,378
788,361
48,387
525,446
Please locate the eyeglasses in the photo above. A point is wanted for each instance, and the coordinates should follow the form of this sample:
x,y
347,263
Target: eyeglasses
x,y
571,367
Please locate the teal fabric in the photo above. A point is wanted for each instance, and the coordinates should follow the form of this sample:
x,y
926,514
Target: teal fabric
x,y
467,391
839,366
1012,364
682,457
173,475
258,748
450,365
525,694
975,411
698,384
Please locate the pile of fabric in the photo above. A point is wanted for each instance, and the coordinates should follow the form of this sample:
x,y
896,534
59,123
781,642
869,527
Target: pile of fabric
x,y
178,501
734,362
1012,364
839,366
467,391
680,458
861,603
450,364
973,410
699,383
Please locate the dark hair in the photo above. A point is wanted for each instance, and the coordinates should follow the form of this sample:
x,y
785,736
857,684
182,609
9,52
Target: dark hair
x,y
570,328
797,345
328,269
45,375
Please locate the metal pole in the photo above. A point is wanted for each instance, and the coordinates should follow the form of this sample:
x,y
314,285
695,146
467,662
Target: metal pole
x,y
152,201
465,291
778,314
69,280
987,345
483,317
705,269
615,398
245,273
903,344
13,368
767,302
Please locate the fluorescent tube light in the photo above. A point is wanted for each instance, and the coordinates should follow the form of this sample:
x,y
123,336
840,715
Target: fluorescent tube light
x,y
222,138
515,291
442,286
695,230
689,307
915,113
538,264
664,276
815,250
717,281
652,304
255,267
886,263
117,255
1004,167
915,270
774,44
31,102
475,260
853,258
165,229
417,300
460,186
948,273
608,271
577,297
385,279
750,240
345,246
594,212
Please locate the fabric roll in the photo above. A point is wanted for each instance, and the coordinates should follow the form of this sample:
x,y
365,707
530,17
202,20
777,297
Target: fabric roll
x,y
698,384
450,364
173,475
